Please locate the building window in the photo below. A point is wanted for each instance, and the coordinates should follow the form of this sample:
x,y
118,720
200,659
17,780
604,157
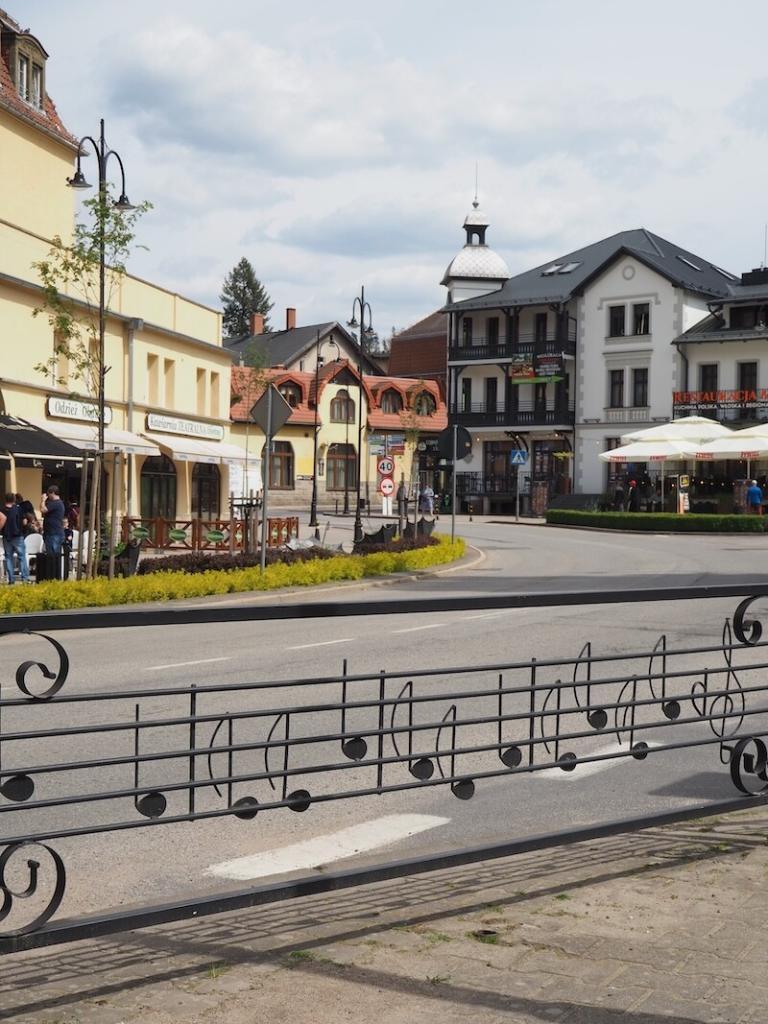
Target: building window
x,y
748,382
425,404
341,468
708,377
744,317
342,408
466,394
291,393
491,394
281,472
615,474
158,488
616,321
641,318
640,387
616,386
206,482
60,365
23,83
391,402
466,331
492,331
36,97
540,327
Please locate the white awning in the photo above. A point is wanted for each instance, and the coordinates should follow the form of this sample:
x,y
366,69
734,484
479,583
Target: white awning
x,y
85,437
192,449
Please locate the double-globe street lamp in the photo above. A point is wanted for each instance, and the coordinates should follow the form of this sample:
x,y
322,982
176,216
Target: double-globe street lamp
x,y
318,364
78,181
365,332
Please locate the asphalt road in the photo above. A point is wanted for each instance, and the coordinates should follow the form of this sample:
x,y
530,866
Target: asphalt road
x,y
168,860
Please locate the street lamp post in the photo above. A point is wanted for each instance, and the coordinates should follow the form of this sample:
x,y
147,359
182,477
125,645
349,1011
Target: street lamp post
x,y
78,181
365,332
313,505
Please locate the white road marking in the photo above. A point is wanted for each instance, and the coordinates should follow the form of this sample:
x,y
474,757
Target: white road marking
x,y
183,664
488,615
415,629
324,849
591,767
321,643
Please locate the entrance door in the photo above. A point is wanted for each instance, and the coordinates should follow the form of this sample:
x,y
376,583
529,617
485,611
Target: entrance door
x,y
158,488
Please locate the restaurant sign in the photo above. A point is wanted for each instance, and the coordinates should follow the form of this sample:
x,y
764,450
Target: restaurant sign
x,y
72,409
521,368
189,428
549,366
386,444
696,401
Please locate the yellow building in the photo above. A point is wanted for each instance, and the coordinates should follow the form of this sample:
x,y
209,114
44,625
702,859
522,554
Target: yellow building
x,y
168,386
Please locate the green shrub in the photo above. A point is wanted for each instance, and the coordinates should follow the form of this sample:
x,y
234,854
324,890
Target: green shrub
x,y
170,586
658,522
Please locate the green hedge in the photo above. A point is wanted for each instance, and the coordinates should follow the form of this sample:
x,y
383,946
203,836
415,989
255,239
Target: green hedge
x,y
658,522
169,586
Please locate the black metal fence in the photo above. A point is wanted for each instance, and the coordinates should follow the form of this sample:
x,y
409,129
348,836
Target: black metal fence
x,y
78,763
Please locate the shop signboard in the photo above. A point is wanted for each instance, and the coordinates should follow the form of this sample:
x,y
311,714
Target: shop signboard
x,y
386,444
521,368
189,428
72,409
688,402
549,366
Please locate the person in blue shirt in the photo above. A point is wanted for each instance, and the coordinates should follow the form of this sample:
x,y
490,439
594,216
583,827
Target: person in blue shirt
x,y
52,511
755,499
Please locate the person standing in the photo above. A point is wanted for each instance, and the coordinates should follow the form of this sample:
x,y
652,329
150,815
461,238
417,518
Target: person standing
x,y
755,499
633,497
52,512
13,539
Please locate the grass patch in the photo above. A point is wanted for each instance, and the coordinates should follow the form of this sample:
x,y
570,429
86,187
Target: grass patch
x,y
216,970
170,586
658,522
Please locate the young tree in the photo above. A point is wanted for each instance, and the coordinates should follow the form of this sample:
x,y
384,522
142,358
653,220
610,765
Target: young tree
x,y
242,295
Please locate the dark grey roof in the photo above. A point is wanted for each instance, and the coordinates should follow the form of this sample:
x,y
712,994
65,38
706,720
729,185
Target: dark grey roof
x,y
748,293
282,348
534,287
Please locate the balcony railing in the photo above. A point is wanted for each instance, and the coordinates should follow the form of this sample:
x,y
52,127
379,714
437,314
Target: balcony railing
x,y
526,414
630,414
480,483
526,345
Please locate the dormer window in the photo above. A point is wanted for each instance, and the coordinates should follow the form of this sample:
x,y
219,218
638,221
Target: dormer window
x,y
425,404
36,96
291,393
29,81
391,402
23,78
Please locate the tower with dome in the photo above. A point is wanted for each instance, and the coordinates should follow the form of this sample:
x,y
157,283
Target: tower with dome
x,y
476,269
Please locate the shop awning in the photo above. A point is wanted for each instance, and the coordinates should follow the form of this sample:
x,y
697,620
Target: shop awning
x,y
85,437
192,449
30,445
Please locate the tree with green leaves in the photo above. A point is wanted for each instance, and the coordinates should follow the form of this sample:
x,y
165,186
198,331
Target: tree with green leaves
x,y
242,295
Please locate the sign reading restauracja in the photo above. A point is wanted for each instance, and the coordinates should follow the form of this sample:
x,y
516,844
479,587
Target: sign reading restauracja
x,y
72,409
190,428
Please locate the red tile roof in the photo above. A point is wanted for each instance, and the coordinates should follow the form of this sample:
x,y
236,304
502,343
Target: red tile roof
x,y
247,387
47,118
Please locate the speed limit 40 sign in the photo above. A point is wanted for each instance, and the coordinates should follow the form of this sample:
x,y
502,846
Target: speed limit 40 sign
x,y
386,486
386,466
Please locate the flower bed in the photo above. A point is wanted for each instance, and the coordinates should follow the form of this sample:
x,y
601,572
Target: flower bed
x,y
169,585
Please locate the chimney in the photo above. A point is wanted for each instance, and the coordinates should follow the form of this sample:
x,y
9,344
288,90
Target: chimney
x,y
290,318
757,276
257,323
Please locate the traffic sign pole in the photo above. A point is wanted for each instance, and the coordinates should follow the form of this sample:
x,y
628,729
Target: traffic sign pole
x,y
266,470
453,484
517,493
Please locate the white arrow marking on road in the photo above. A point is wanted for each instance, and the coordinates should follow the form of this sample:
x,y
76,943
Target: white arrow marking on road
x,y
591,767
324,849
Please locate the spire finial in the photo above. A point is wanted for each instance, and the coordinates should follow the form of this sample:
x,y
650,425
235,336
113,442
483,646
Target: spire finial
x,y
475,202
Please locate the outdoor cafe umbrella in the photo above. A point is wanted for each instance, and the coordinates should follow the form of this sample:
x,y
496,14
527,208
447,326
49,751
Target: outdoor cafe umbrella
x,y
652,451
695,429
747,445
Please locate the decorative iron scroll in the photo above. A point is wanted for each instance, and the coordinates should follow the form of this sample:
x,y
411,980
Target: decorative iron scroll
x,y
200,752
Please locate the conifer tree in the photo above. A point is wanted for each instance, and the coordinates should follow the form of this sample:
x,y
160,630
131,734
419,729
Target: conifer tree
x,y
242,295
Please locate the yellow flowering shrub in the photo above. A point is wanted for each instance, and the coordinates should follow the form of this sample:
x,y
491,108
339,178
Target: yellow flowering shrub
x,y
171,586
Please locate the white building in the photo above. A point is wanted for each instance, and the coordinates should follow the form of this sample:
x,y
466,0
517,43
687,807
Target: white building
x,y
563,359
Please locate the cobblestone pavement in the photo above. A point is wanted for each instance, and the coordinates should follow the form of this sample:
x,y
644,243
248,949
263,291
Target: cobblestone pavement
x,y
668,924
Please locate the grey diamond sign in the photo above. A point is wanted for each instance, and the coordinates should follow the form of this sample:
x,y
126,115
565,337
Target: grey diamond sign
x,y
281,411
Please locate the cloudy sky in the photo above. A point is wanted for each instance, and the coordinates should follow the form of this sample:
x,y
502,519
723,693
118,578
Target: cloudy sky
x,y
334,144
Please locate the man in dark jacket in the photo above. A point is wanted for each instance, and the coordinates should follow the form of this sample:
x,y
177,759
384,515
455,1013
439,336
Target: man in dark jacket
x,y
13,539
52,512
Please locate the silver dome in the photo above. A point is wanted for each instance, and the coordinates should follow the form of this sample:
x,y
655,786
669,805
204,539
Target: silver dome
x,y
477,261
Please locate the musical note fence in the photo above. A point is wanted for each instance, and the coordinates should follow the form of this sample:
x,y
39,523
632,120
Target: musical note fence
x,y
78,763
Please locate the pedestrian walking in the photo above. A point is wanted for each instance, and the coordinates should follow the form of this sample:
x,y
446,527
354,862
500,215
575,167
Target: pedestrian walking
x,y
633,497
52,513
755,499
13,540
427,501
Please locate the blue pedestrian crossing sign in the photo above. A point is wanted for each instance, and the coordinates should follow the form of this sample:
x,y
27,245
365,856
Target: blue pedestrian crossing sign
x,y
518,457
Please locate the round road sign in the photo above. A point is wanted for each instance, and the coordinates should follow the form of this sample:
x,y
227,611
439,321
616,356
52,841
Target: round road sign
x,y
386,466
387,486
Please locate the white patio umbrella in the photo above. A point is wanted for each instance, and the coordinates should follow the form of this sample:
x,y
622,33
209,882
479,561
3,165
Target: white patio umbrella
x,y
742,444
659,450
696,429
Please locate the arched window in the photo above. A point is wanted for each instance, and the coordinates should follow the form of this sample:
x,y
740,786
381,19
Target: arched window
x,y
425,404
281,471
291,393
341,468
158,488
342,408
206,483
391,401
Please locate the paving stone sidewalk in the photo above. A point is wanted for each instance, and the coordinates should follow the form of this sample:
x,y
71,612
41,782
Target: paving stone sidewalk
x,y
668,924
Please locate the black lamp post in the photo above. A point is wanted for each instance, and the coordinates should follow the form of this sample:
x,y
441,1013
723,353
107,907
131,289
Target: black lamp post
x,y
78,181
365,332
313,506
